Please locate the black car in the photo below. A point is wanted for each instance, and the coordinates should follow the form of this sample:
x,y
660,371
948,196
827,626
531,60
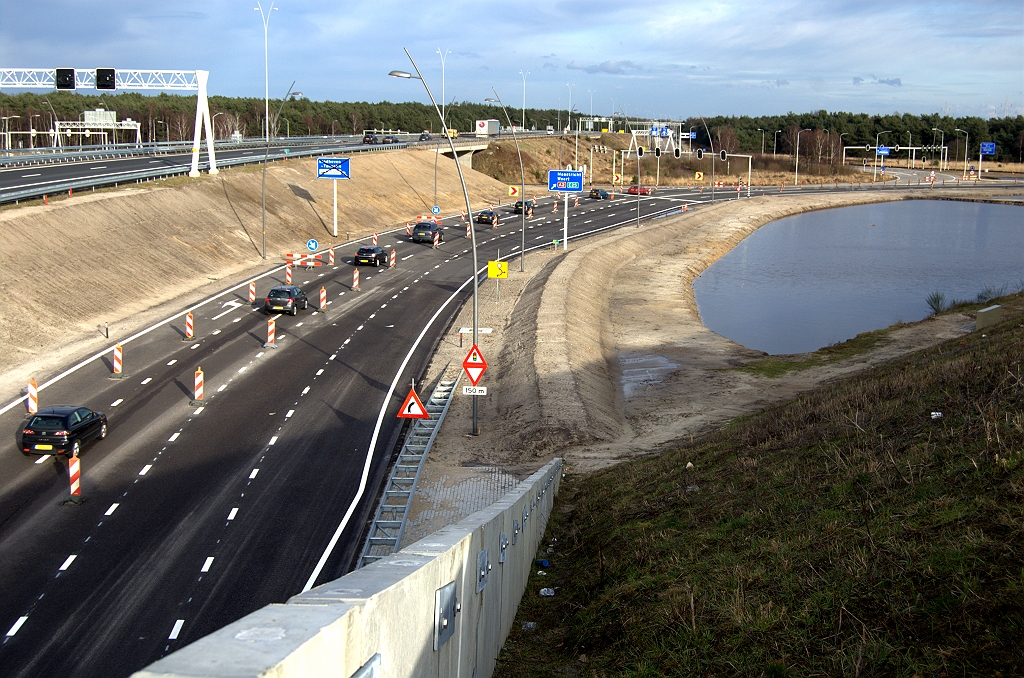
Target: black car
x,y
369,138
286,299
390,139
61,429
374,256
518,209
425,230
486,216
599,193
425,137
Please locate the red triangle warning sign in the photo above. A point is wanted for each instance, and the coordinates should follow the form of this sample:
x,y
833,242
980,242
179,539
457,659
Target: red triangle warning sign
x,y
474,365
412,408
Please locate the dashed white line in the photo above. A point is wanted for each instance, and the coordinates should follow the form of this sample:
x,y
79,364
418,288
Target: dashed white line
x,y
237,320
174,436
273,440
117,402
145,469
242,368
359,328
408,257
259,354
147,380
372,316
26,176
346,341
171,363
234,512
299,325
320,371
207,564
289,413
333,356
194,346
305,390
198,410
253,474
215,332
222,387
113,507
67,563
17,625
42,459
176,630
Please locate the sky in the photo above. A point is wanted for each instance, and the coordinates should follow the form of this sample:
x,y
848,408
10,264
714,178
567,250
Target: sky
x,y
649,58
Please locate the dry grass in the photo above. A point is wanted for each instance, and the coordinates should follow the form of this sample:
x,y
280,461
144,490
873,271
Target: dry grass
x,y
847,532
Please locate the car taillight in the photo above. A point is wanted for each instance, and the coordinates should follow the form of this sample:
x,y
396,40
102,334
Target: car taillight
x,y
267,300
291,300
29,432
61,433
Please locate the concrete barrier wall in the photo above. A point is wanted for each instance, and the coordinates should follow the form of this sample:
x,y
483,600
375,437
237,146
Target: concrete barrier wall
x,y
383,620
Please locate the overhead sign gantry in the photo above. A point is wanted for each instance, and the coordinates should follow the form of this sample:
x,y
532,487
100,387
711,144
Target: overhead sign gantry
x,y
113,79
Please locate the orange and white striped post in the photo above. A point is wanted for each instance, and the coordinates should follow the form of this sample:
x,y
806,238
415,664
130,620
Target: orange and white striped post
x,y
393,258
330,257
75,476
576,201
469,233
494,221
118,362
437,239
198,400
190,332
374,239
33,396
323,299
555,209
463,217
252,291
355,279
287,274
271,334
408,228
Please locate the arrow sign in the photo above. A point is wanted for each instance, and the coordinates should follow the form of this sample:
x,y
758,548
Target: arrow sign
x,y
513,191
412,408
474,365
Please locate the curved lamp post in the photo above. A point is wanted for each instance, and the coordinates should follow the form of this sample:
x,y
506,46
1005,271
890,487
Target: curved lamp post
x,y
263,185
796,177
522,175
469,207
967,143
874,171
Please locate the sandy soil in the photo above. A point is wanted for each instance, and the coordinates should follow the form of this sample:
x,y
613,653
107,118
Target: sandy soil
x,y
125,257
598,355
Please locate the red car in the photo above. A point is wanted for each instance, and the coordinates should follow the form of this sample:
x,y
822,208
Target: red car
x,y
640,190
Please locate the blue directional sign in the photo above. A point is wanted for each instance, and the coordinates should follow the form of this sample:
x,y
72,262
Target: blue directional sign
x,y
882,150
435,210
693,135
664,132
565,181
312,244
988,148
332,168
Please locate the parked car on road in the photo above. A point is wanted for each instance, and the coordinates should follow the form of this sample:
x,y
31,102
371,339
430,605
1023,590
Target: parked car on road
x,y
599,194
425,230
369,138
285,299
640,190
371,255
61,429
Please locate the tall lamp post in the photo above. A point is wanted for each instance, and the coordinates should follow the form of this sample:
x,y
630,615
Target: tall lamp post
x,y
32,130
266,72
796,178
762,139
967,147
942,145
444,57
167,128
522,176
842,147
524,96
874,171
263,186
469,207
775,141
213,123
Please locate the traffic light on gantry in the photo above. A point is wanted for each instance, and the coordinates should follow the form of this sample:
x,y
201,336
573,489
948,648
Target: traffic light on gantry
x,y
106,78
64,78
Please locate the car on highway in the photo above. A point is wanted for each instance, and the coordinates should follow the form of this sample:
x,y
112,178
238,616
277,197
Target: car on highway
x,y
370,138
640,190
370,255
486,217
599,194
518,209
285,299
61,429
425,230
390,139
425,137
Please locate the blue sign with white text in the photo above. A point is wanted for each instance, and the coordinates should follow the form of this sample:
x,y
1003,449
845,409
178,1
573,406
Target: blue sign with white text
x,y
565,181
882,150
988,148
332,168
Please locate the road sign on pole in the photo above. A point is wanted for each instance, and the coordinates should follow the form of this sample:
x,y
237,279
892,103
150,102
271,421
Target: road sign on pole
x,y
988,148
497,269
412,408
435,210
882,150
513,191
474,365
565,181
312,245
332,168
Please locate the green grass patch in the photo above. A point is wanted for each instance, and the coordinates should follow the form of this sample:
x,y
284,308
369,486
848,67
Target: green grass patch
x,y
865,342
846,532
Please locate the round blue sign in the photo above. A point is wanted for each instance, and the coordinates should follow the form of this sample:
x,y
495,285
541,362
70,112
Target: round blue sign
x,y
312,244
435,209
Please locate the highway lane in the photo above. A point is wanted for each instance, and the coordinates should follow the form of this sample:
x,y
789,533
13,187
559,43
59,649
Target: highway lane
x,y
257,480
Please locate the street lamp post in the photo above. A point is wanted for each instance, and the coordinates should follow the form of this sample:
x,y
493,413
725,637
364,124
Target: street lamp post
x,y
775,141
469,208
32,131
213,122
796,178
266,71
942,146
263,186
444,56
967,148
690,141
524,96
874,172
522,176
167,128
762,139
843,147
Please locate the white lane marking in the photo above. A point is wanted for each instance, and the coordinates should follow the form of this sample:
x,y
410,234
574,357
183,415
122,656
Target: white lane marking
x,y
273,440
346,341
26,176
145,469
43,458
259,354
289,413
117,402
588,221
215,332
393,297
17,625
408,257
242,368
253,474
207,564
359,328
171,363
198,410
404,289
305,390
237,320
194,346
222,387
299,325
174,436
234,512
176,630
275,317
113,507
320,371
147,380
99,167
372,316
67,563
333,356
153,162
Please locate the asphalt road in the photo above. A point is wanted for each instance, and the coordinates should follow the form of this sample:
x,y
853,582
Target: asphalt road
x,y
193,516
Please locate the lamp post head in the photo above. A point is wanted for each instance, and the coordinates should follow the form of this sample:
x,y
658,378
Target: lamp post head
x,y
402,74
490,100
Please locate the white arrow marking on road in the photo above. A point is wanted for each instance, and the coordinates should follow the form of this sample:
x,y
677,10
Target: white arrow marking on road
x,y
233,304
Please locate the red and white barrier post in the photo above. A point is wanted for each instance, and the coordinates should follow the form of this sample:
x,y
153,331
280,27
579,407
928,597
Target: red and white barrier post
x,y
33,397
408,228
374,239
117,362
190,333
355,279
252,291
463,217
494,221
75,476
198,400
323,299
393,258
330,257
555,208
271,334
437,239
576,201
287,274
469,227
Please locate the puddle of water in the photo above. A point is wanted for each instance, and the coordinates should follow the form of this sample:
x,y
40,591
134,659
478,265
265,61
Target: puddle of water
x,y
639,371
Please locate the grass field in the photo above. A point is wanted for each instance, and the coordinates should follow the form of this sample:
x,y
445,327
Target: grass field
x,y
850,532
